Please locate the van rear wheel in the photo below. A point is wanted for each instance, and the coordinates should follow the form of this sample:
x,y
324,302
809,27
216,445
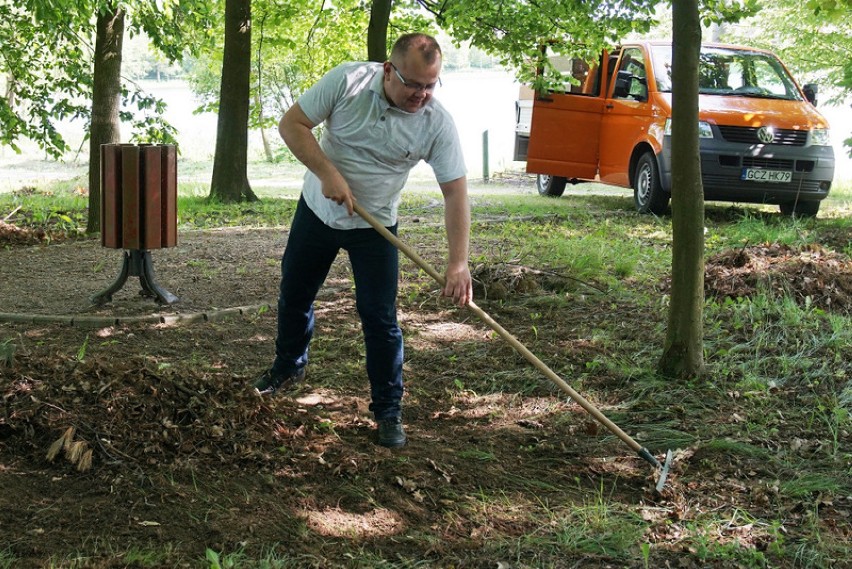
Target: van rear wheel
x,y
800,209
648,194
550,185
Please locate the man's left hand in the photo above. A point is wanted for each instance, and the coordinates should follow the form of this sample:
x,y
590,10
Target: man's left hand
x,y
459,284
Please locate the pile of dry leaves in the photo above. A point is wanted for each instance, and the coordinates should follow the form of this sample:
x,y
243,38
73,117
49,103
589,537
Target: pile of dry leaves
x,y
810,275
13,235
499,281
124,411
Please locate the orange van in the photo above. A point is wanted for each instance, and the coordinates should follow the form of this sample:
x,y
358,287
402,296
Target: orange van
x,y
762,139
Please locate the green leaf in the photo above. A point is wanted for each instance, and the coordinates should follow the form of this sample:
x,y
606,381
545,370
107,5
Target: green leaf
x,y
81,353
213,558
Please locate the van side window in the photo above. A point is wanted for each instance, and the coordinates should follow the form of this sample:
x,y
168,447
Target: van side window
x,y
592,85
631,81
577,75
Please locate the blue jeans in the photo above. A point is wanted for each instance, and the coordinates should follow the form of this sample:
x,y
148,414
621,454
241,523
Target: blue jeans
x,y
311,248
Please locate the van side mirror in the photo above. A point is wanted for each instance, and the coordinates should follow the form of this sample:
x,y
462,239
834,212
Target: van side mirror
x,y
622,84
810,90
624,87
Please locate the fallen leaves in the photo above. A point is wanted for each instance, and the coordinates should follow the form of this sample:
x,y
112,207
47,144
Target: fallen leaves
x,y
412,488
150,415
77,452
810,274
443,472
13,235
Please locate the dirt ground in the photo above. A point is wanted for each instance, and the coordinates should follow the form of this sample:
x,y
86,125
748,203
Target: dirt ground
x,y
120,435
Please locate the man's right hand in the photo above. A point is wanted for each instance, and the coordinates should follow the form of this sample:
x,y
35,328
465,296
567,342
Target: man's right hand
x,y
335,188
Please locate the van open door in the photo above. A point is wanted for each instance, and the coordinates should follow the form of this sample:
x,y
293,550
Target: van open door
x,y
629,117
568,152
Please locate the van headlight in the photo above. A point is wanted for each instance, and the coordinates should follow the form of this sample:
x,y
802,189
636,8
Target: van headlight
x,y
820,137
704,130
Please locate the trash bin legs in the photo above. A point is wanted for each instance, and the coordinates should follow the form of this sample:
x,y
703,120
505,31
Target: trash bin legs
x,y
137,263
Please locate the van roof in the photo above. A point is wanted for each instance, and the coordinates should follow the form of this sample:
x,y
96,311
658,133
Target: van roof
x,y
653,42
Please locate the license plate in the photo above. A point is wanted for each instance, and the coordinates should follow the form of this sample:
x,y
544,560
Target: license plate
x,y
761,175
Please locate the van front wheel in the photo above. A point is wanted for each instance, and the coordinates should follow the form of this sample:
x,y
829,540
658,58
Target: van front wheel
x,y
648,194
550,185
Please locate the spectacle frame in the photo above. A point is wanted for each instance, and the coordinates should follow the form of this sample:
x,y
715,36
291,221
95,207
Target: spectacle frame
x,y
416,87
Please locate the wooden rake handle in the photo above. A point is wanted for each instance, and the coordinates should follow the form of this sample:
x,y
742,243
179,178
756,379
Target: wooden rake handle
x,y
514,342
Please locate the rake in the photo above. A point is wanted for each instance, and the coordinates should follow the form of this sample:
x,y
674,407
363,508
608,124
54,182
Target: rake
x,y
643,452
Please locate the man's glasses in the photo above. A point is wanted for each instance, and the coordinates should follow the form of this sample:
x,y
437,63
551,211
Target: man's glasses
x,y
416,87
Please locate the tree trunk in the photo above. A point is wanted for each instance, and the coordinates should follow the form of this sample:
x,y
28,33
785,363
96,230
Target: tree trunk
x,y
230,161
267,147
106,103
258,95
10,95
377,31
717,30
683,351
11,102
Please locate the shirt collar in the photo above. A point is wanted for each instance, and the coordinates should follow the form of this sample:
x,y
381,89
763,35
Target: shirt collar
x,y
377,85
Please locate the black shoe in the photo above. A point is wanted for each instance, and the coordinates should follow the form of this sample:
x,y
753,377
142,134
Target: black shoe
x,y
269,384
391,433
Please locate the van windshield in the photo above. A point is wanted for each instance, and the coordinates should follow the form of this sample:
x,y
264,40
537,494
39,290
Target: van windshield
x,y
731,72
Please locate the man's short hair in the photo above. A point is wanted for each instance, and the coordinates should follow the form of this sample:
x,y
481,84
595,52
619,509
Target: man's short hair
x,y
425,44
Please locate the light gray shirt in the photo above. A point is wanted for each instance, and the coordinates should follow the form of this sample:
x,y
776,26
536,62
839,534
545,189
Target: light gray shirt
x,y
374,145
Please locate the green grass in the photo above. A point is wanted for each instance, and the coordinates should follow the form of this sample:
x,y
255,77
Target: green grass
x,y
561,237
137,557
731,226
597,527
708,549
7,559
59,209
744,336
477,455
808,484
739,448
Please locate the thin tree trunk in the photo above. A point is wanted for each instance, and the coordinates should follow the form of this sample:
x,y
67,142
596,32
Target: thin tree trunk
x,y
11,101
258,95
683,351
267,147
717,31
106,102
230,161
10,94
377,31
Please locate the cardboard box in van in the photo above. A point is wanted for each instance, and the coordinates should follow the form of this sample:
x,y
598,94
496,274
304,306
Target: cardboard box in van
x,y
762,139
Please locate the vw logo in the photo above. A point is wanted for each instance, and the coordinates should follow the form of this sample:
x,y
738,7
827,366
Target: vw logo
x,y
766,134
